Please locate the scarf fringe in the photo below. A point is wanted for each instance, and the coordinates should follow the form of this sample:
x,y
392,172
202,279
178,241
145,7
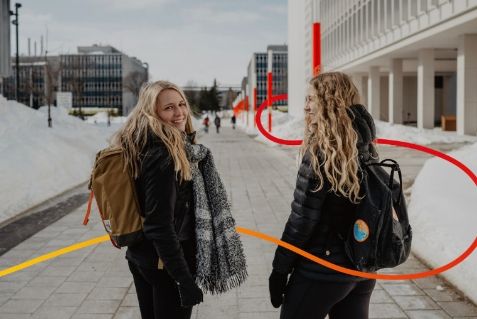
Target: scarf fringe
x,y
217,286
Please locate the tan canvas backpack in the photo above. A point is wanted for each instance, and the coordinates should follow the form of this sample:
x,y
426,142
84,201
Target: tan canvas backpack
x,y
116,198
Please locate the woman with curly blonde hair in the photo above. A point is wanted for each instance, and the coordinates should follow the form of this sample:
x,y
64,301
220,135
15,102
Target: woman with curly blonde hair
x,y
339,133
189,238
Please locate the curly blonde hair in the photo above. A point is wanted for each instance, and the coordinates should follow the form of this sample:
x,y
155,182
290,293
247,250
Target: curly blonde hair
x,y
329,135
132,137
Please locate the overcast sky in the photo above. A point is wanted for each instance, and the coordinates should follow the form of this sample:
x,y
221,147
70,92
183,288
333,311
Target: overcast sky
x,y
182,40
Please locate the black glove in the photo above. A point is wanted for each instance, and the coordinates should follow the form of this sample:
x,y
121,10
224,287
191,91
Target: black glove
x,y
189,293
277,283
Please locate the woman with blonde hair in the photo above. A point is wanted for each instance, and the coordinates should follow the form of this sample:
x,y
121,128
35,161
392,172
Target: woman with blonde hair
x,y
189,235
338,134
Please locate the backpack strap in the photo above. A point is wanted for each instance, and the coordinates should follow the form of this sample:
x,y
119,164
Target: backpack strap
x,y
394,168
88,209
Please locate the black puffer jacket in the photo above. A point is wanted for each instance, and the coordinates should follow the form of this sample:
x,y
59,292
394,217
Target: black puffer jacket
x,y
317,218
167,206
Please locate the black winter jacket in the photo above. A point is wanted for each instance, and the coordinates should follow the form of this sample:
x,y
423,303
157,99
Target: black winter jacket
x,y
167,207
318,218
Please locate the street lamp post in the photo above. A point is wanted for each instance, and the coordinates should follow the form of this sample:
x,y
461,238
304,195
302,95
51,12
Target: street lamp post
x,y
48,88
17,58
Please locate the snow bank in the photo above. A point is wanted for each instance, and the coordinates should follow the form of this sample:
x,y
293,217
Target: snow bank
x,y
38,162
443,215
419,136
286,126
283,126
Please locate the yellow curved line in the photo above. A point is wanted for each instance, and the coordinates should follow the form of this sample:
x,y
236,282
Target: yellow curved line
x,y
53,254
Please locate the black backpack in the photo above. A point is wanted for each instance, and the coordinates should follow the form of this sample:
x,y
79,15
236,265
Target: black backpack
x,y
377,239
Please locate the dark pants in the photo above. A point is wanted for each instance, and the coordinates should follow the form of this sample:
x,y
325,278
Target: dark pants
x,y
157,294
306,298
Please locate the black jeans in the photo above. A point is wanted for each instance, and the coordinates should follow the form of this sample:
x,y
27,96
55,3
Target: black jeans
x,y
157,294
306,298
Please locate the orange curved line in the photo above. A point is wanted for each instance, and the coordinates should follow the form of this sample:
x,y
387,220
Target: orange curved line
x,y
357,273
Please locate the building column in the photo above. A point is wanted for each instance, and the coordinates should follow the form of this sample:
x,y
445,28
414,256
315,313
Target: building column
x,y
358,80
374,91
395,92
425,89
466,80
297,84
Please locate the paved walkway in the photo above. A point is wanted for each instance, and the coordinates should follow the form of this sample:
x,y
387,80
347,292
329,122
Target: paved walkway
x,y
95,283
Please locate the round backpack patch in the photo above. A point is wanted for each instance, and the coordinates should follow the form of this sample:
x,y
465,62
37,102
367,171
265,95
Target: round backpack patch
x,y
360,230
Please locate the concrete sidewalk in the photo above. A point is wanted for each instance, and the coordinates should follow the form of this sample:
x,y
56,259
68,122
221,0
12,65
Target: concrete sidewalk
x,y
95,282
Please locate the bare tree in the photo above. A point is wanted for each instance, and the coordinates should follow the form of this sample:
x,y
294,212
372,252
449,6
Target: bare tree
x,y
134,81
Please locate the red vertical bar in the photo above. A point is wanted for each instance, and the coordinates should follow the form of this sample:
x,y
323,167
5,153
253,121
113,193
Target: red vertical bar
x,y
269,99
316,67
246,106
254,105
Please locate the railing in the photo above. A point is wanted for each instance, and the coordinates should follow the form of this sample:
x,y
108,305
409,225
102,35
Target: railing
x,y
353,29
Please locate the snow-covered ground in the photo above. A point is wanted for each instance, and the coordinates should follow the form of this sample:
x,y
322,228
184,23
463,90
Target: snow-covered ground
x,y
38,162
443,199
287,127
444,217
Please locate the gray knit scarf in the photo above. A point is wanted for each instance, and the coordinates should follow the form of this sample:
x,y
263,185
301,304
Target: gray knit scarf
x,y
220,257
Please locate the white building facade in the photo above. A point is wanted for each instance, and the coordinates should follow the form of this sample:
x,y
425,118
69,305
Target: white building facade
x,y
414,61
256,83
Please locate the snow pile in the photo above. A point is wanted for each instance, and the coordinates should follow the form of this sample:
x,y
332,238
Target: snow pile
x,y
286,126
283,126
419,136
38,162
443,216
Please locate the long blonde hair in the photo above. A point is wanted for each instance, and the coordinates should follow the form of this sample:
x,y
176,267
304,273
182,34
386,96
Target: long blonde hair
x,y
329,135
132,137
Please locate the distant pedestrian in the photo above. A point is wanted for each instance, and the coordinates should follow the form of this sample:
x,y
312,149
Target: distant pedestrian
x,y
176,252
233,120
217,123
337,131
206,123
